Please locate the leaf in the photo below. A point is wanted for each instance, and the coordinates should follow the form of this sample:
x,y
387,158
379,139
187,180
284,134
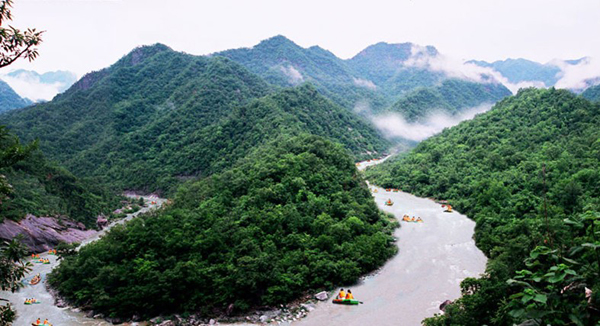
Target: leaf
x,y
541,298
576,320
591,245
516,282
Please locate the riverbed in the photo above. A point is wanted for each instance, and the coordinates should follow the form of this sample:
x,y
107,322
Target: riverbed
x,y
27,314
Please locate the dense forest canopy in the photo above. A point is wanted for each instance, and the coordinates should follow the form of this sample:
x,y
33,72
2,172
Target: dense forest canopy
x,y
42,188
157,117
294,215
534,155
156,157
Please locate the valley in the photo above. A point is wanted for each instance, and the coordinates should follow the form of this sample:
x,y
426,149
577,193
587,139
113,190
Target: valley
x,y
270,173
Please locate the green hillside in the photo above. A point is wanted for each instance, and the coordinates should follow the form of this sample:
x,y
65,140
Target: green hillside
x,y
42,188
282,62
150,82
9,99
158,117
386,65
520,70
592,93
377,77
153,158
451,96
293,216
497,169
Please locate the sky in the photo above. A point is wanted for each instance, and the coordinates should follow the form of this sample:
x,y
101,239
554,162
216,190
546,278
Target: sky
x,y
86,35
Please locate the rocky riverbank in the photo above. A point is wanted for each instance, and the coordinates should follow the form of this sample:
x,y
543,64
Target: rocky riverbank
x,y
40,234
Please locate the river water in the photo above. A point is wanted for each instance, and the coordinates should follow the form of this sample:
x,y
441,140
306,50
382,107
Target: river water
x,y
27,314
433,258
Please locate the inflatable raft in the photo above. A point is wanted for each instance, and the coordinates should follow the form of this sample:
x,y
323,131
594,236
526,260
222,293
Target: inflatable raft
x,y
346,301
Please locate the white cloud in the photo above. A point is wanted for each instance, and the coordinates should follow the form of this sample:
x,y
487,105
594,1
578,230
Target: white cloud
x,y
32,88
394,125
364,83
455,68
580,76
294,76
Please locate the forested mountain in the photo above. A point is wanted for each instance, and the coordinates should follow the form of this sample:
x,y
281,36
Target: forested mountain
x,y
592,93
158,156
9,99
294,215
42,188
389,67
282,62
519,171
375,78
452,96
520,70
157,117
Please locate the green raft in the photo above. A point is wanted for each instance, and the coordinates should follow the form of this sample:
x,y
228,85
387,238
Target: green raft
x,y
346,301
30,303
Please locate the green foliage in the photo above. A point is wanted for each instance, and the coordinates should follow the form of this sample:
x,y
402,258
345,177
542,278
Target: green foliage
x,y
294,215
491,168
552,291
14,43
451,96
42,188
12,271
158,117
592,93
64,249
283,63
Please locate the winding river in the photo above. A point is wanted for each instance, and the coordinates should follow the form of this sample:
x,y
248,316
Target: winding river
x,y
27,314
433,258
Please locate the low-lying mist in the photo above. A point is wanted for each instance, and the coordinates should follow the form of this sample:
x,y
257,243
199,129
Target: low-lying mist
x,y
393,125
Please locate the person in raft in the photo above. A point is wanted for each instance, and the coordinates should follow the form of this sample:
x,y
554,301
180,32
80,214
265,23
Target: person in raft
x,y
342,294
38,322
46,321
349,295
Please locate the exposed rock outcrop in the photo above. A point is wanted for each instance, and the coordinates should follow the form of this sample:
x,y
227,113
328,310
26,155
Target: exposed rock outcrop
x,y
44,233
101,222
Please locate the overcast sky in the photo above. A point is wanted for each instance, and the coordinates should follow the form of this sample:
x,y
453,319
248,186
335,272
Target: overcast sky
x,y
86,35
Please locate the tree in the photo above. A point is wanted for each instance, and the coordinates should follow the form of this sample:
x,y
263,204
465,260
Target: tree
x,y
12,270
13,45
13,42
11,152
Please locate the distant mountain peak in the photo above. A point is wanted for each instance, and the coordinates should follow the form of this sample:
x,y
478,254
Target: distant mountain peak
x,y
276,41
396,51
141,53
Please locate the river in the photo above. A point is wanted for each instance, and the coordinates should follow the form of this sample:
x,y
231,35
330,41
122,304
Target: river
x,y
27,314
433,258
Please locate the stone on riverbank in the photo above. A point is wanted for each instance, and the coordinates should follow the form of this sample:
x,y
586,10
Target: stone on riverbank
x,y
322,296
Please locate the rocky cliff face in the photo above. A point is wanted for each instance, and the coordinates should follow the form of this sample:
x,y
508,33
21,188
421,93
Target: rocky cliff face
x,y
43,233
